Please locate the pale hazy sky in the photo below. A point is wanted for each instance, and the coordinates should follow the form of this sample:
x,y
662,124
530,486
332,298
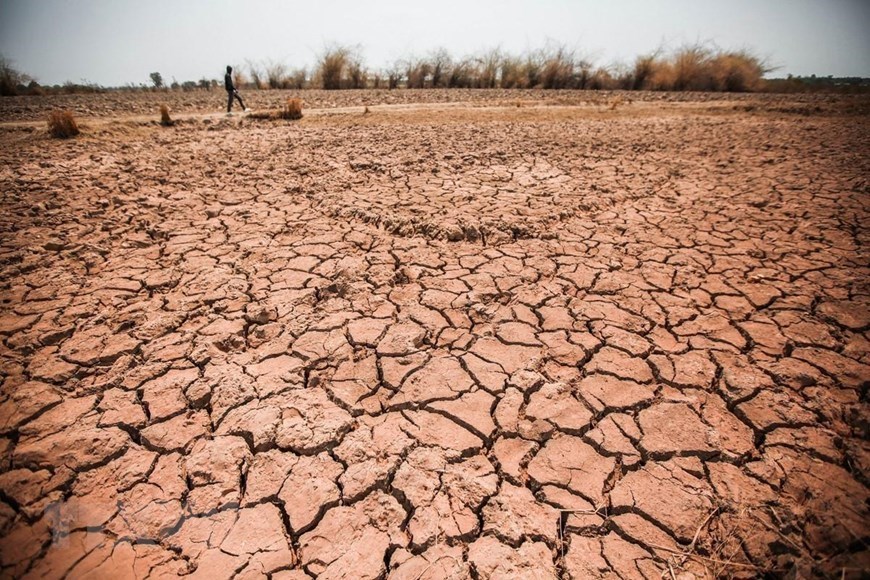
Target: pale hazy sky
x,y
116,42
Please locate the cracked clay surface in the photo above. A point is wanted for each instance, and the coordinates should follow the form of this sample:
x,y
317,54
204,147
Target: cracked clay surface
x,y
544,342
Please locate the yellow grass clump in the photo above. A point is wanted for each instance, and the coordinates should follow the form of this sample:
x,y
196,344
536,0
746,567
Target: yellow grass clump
x,y
62,125
292,110
165,119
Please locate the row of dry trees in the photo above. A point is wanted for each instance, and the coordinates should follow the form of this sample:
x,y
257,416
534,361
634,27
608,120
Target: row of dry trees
x,y
696,67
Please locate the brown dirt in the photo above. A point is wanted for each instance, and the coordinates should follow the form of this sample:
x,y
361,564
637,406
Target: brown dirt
x,y
559,339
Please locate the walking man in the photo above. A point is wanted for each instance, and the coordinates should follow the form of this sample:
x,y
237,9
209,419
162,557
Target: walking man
x,y
231,91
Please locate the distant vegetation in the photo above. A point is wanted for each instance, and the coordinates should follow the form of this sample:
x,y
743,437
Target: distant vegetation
x,y
696,67
11,80
812,83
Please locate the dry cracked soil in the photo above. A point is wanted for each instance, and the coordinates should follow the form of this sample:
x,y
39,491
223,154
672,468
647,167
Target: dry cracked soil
x,y
519,337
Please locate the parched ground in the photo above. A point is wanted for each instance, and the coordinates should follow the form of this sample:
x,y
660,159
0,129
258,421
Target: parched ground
x,y
519,338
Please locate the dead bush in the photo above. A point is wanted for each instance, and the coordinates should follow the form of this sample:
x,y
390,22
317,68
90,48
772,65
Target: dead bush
x,y
644,69
239,79
292,109
738,71
463,75
698,67
441,63
558,66
340,67
357,75
691,68
417,71
489,64
62,125
256,74
298,78
276,72
165,119
10,78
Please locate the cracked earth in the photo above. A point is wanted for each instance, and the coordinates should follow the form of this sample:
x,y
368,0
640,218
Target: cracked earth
x,y
512,342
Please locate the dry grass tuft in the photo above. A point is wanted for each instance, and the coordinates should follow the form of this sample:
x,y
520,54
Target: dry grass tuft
x,y
165,119
62,125
292,110
264,115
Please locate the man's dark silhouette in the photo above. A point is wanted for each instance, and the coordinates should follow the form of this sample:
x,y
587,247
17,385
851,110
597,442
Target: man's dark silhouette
x,y
231,91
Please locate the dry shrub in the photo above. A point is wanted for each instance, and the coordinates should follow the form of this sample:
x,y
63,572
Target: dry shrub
x,y
331,68
691,69
418,71
558,66
239,79
165,119
513,74
394,75
292,110
600,80
357,75
10,78
662,76
699,68
441,63
340,67
736,72
62,125
256,75
488,69
644,68
463,75
276,72
297,78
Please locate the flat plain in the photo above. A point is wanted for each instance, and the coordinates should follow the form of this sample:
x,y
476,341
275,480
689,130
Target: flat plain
x,y
436,334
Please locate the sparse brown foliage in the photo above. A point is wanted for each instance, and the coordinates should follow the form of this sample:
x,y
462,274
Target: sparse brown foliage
x,y
165,119
256,74
297,78
276,72
239,79
292,109
335,65
11,80
62,125
698,67
694,67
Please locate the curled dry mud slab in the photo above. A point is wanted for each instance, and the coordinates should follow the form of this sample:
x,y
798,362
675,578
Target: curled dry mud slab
x,y
501,343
